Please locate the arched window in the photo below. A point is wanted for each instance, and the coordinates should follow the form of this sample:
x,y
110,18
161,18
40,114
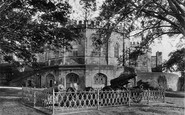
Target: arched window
x,y
51,83
50,79
100,79
71,80
96,45
116,50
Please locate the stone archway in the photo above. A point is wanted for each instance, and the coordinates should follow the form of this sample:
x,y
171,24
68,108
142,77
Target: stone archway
x,y
72,80
100,79
50,79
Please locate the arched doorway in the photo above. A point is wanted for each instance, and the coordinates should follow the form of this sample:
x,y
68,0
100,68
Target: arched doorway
x,y
50,79
72,80
100,79
38,81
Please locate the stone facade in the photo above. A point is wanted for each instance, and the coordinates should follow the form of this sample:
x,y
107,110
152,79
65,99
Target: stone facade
x,y
146,62
143,62
84,66
153,78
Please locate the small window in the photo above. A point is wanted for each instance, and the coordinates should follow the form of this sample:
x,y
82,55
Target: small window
x,y
116,50
50,83
75,53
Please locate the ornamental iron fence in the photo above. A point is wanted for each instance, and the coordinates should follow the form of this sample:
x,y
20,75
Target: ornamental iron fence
x,y
49,101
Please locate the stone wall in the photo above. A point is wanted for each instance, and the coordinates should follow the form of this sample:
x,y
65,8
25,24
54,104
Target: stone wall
x,y
152,78
85,73
64,72
91,71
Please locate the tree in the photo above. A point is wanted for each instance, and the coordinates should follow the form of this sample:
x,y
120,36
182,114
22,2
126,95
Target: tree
x,y
28,27
176,61
151,18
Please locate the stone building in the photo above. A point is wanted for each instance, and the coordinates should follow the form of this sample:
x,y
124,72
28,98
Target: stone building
x,y
84,66
156,62
143,62
146,62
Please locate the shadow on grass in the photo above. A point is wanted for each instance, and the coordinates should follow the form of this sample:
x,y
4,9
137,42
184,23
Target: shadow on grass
x,y
124,113
10,92
175,94
153,111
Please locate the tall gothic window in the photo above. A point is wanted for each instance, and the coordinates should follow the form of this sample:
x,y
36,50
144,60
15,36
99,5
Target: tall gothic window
x,y
116,50
96,45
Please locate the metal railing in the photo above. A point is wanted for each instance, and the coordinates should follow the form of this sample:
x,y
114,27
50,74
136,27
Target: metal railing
x,y
56,102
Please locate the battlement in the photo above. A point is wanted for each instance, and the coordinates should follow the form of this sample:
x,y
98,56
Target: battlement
x,y
92,24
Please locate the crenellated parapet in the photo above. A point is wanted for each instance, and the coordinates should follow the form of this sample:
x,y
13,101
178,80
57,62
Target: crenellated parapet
x,y
86,24
93,24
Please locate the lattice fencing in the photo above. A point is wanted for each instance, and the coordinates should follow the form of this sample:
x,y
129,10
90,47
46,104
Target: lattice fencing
x,y
153,95
56,102
28,96
38,98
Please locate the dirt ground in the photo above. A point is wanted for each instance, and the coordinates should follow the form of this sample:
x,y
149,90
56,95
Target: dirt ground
x,y
10,105
173,106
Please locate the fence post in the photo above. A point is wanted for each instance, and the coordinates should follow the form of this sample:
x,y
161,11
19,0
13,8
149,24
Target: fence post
x,y
53,105
33,93
148,96
129,97
98,99
22,94
163,92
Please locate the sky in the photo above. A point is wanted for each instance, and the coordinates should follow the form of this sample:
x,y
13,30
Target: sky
x,y
78,11
167,45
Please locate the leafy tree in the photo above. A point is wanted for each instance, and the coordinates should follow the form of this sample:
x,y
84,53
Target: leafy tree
x,y
88,6
153,18
28,27
176,61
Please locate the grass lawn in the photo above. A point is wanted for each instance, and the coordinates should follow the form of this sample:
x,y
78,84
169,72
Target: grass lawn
x,y
174,106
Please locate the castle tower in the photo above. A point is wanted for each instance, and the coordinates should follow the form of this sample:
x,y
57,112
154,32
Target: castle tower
x,y
158,58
